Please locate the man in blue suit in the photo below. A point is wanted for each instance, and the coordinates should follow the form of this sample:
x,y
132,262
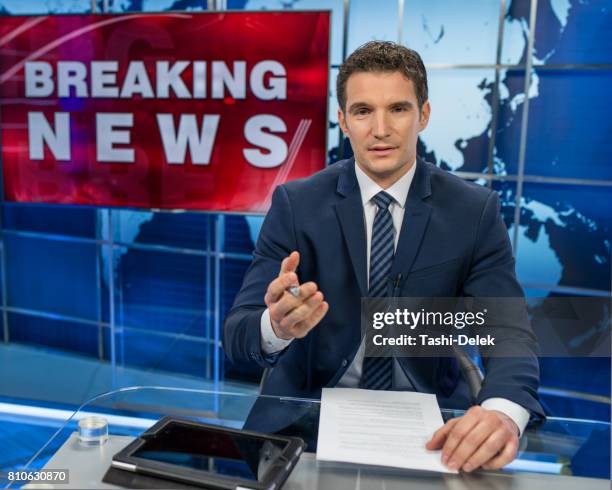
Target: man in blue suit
x,y
341,234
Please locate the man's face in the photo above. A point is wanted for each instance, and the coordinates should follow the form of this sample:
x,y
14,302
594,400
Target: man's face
x,y
382,121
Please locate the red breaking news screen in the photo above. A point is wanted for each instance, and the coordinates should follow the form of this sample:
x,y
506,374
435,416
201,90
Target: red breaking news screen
x,y
206,111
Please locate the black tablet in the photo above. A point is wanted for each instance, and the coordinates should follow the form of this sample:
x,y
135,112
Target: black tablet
x,y
211,456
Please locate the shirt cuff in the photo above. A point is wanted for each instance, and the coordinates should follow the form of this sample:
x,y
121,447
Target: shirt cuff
x,y
270,343
518,414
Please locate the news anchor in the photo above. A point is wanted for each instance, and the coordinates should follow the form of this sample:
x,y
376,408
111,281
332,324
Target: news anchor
x,y
343,232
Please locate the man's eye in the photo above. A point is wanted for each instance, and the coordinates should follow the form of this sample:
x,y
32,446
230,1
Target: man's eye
x,y
399,109
362,112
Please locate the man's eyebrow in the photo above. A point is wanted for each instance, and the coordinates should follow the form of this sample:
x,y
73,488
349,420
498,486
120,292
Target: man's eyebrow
x,y
358,105
402,103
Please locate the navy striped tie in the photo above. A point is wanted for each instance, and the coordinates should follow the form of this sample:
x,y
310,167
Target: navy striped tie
x,y
378,371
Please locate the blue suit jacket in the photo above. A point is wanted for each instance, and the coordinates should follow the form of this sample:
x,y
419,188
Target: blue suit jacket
x,y
453,242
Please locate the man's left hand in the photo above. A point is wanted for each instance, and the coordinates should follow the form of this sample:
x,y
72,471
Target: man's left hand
x,y
480,438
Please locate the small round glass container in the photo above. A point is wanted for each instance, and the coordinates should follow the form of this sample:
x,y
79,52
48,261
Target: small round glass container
x,y
93,431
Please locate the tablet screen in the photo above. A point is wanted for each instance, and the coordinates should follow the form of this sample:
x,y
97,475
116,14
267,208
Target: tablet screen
x,y
217,452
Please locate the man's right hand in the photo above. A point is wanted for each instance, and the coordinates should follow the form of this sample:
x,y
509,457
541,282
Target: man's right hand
x,y
293,317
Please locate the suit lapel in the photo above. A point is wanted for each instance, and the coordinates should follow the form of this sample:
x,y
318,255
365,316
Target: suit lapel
x,y
350,215
416,218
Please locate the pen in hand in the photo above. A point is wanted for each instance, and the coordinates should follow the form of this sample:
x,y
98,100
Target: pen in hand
x,y
294,291
294,314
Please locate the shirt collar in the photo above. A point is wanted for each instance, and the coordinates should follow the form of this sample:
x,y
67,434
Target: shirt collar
x,y
398,191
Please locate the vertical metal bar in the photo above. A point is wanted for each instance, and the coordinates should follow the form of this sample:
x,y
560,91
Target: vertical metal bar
x,y
345,28
210,4
94,7
218,341
120,317
400,16
121,321
495,94
105,6
5,319
99,251
219,235
111,299
523,141
208,298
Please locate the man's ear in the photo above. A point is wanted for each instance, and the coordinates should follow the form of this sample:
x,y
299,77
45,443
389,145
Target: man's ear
x,y
342,122
425,112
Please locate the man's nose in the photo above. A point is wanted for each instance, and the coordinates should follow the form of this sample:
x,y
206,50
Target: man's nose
x,y
380,127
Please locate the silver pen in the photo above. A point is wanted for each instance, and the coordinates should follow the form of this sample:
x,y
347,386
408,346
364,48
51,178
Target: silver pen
x,y
294,291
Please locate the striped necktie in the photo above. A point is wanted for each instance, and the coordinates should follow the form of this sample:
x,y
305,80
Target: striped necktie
x,y
378,371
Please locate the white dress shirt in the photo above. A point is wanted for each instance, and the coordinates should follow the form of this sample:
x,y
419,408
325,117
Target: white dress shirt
x,y
271,344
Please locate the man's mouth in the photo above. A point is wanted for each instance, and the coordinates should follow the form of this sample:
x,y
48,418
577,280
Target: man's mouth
x,y
381,149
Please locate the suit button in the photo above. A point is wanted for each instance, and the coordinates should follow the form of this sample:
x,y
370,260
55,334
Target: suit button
x,y
344,362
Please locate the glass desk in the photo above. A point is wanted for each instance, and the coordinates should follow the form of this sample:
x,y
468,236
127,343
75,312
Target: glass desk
x,y
566,453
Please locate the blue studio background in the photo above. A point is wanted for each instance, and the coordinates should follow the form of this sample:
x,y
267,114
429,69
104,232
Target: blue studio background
x,y
96,299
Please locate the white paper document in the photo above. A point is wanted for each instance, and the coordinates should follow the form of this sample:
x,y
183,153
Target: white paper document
x,y
384,428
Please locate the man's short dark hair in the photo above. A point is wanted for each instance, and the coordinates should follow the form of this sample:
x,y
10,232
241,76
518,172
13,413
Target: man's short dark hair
x,y
384,56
